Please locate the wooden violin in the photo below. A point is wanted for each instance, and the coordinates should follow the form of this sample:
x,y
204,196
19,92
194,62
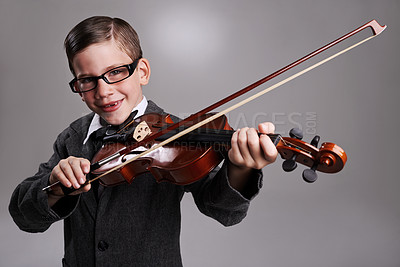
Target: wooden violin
x,y
194,155
120,163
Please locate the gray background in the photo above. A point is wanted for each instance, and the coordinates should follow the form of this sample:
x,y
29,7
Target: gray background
x,y
200,51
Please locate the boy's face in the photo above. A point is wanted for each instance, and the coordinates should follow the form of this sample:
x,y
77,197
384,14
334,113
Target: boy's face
x,y
113,102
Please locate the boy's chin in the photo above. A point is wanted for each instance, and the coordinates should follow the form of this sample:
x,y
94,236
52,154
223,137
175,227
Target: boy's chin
x,y
114,120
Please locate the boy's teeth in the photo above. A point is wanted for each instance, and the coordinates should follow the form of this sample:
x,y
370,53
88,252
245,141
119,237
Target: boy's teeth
x,y
111,105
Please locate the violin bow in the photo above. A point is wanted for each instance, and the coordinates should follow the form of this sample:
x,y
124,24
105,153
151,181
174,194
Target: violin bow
x,y
376,30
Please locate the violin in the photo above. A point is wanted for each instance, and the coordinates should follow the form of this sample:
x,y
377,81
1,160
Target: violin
x,y
160,146
194,155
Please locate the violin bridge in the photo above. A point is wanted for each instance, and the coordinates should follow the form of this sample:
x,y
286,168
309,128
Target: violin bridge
x,y
142,130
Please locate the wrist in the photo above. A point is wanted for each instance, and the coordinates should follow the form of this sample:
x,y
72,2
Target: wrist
x,y
52,197
54,193
238,176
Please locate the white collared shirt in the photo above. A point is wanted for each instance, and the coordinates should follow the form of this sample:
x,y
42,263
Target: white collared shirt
x,y
95,124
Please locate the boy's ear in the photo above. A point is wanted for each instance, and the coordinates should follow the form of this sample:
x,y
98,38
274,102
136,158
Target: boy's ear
x,y
144,71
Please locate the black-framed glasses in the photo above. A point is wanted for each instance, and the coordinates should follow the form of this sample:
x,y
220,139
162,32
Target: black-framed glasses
x,y
114,75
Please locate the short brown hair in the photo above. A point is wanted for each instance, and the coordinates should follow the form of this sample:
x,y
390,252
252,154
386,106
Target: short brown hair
x,y
99,29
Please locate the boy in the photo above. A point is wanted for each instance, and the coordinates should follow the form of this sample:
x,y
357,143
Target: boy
x,y
136,224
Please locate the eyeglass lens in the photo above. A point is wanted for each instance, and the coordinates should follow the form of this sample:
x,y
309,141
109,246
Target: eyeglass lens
x,y
111,76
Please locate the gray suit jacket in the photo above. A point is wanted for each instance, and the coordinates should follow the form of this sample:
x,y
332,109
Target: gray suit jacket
x,y
130,225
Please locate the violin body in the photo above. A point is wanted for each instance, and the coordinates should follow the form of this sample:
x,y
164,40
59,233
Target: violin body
x,y
178,163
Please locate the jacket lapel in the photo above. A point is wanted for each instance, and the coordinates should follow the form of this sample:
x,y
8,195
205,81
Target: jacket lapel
x,y
75,147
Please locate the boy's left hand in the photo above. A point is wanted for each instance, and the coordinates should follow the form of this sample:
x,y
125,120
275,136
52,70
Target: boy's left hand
x,y
248,150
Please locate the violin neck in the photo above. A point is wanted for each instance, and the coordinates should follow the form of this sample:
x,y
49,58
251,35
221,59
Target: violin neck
x,y
211,137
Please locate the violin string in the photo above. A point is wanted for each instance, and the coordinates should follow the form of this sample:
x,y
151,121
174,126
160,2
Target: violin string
x,y
239,104
283,140
290,144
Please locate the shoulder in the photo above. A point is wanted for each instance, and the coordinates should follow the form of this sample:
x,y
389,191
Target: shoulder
x,y
154,108
77,129
82,123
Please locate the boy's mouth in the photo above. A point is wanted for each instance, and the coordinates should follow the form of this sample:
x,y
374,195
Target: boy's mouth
x,y
112,106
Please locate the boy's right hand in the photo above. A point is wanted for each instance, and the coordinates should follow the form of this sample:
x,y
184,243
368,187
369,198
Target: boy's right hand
x,y
71,172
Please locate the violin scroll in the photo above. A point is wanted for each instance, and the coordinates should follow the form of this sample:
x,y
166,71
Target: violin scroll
x,y
329,158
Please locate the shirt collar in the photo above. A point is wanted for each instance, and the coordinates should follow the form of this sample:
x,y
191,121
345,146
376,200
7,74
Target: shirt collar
x,y
95,124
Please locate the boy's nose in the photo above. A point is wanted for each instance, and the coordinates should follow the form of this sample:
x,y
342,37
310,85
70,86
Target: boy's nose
x,y
103,89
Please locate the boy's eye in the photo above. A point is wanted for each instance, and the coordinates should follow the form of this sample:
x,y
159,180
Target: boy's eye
x,y
86,80
116,72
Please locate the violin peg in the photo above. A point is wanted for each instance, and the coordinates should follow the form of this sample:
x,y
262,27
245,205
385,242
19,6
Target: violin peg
x,y
296,133
315,141
309,175
289,165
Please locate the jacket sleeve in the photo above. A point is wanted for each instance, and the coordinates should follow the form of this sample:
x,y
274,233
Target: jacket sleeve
x,y
215,197
29,205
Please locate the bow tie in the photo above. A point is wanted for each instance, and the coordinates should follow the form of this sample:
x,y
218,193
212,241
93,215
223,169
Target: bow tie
x,y
116,133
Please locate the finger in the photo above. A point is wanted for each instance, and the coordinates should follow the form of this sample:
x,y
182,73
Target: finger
x,y
269,149
58,175
80,167
270,152
256,148
234,153
253,144
77,170
67,169
266,128
85,188
244,145
85,164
